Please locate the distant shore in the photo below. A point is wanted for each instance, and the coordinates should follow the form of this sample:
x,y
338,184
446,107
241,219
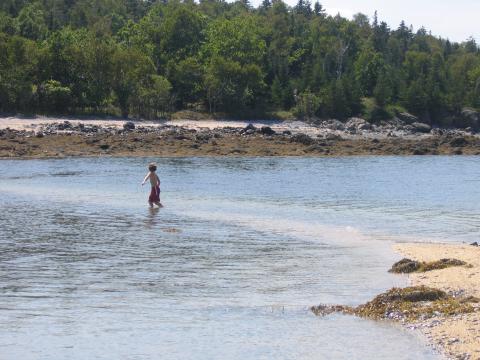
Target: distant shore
x,y
458,336
56,138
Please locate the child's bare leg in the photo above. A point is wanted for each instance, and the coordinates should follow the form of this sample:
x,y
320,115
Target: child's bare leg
x,y
159,204
151,204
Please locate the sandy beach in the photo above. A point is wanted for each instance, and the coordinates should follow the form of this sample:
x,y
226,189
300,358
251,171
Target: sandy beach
x,y
457,336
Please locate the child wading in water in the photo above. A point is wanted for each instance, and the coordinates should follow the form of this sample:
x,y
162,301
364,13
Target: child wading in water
x,y
154,197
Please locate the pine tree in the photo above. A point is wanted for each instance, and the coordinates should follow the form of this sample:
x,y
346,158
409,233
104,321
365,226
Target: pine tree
x,y
404,34
318,9
448,49
303,7
471,45
266,4
375,19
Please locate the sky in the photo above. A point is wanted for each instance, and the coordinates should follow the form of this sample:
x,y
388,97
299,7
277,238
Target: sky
x,y
456,20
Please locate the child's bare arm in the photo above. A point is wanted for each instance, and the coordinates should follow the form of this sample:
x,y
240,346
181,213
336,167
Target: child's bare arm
x,y
146,178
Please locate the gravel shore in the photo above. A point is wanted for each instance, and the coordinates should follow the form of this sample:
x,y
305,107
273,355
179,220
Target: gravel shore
x,y
51,137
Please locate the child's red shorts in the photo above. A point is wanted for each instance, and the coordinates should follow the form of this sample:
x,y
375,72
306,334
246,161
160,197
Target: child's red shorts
x,y
154,194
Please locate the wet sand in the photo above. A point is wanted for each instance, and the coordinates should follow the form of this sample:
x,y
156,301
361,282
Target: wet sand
x,y
457,336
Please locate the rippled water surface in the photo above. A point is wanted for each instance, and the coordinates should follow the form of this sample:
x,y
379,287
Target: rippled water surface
x,y
228,269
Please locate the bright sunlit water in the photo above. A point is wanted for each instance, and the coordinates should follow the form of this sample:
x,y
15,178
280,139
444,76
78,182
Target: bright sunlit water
x,y
230,266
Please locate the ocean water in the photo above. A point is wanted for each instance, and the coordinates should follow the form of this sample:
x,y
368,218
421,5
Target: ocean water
x,y
230,266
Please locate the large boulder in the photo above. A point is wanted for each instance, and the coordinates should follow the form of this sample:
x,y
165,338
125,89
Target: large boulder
x,y
354,124
129,126
407,117
66,125
469,118
267,130
249,127
333,125
421,127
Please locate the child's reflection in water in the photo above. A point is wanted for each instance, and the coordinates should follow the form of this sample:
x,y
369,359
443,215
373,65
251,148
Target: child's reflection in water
x,y
152,217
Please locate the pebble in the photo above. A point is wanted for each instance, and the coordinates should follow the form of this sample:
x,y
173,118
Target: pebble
x,y
453,341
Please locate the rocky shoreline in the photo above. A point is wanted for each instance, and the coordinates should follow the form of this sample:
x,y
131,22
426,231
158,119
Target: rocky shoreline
x,y
37,139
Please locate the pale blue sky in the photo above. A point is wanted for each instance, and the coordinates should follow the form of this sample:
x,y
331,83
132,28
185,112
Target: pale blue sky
x,y
453,19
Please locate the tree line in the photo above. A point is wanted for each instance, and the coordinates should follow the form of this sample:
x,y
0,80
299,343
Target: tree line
x,y
148,58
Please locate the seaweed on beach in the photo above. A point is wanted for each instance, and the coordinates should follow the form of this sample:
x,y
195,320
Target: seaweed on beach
x,y
411,303
405,266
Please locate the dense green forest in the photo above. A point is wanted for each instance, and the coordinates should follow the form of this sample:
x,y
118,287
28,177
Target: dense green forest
x,y
148,58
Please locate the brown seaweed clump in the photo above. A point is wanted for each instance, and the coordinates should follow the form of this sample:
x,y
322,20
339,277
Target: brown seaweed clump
x,y
405,266
411,303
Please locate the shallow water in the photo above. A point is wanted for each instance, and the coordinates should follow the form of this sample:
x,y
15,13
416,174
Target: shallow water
x,y
228,269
